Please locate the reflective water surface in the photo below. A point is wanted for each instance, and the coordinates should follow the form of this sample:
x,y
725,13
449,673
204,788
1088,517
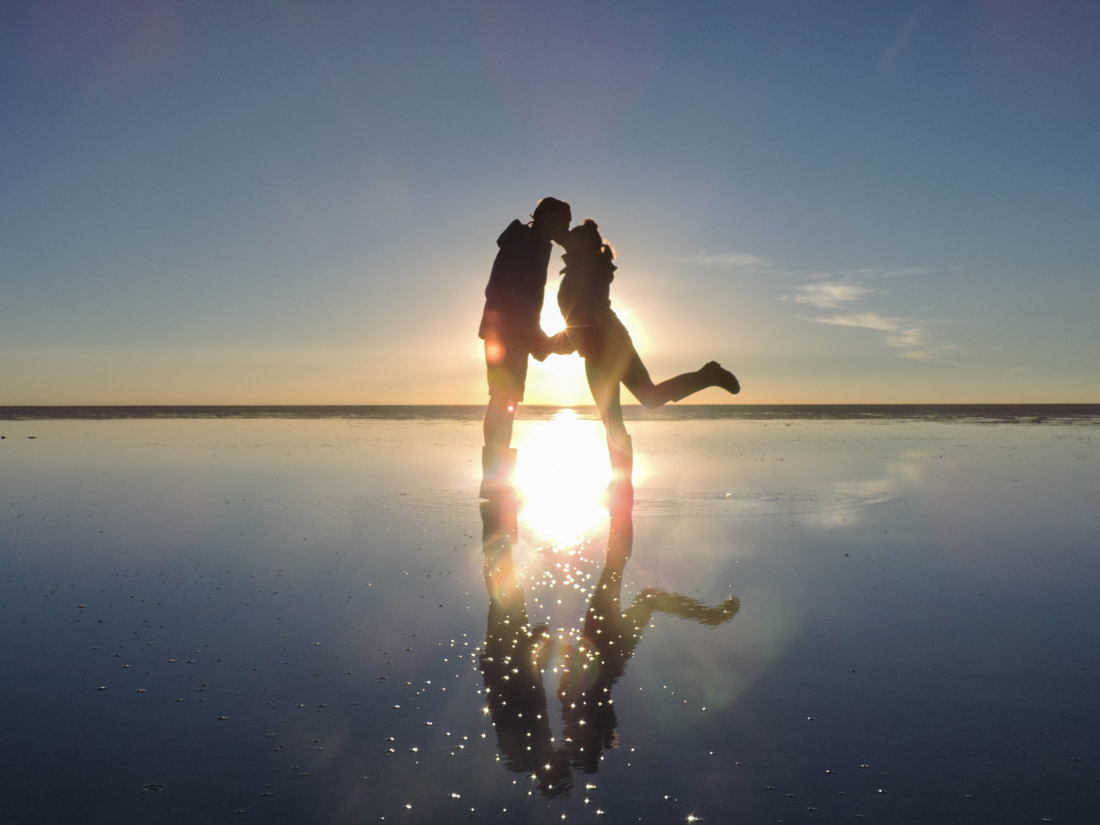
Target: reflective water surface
x,y
259,620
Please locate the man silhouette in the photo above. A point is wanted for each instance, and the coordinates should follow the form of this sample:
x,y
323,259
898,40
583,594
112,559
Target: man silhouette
x,y
511,330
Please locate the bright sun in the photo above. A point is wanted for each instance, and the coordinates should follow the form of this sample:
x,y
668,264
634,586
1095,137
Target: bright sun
x,y
562,469
551,319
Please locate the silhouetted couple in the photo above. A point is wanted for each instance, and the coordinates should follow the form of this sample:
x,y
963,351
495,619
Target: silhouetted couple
x,y
511,329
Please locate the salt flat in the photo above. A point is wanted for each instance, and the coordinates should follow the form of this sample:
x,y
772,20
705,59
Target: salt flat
x,y
250,620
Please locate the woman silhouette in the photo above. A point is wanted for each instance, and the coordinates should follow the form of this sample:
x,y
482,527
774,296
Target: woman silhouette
x,y
610,359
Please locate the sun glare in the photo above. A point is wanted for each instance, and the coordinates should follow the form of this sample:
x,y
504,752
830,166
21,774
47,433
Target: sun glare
x,y
551,320
562,469
560,380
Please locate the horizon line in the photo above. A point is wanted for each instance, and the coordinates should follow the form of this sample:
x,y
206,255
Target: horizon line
x,y
201,405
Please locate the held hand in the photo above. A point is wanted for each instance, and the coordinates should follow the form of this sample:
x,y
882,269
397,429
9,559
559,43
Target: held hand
x,y
540,345
561,344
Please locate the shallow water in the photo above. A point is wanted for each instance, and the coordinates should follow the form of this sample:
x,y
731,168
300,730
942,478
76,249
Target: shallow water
x,y
254,620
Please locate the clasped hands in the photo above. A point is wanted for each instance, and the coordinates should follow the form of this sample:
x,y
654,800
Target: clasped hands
x,y
558,344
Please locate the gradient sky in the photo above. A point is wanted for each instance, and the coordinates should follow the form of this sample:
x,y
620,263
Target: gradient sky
x,y
263,202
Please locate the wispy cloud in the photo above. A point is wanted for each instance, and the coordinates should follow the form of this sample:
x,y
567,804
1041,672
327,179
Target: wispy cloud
x,y
729,260
829,295
906,335
869,273
754,263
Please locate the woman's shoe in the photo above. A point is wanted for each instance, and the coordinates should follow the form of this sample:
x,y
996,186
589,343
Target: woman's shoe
x,y
719,376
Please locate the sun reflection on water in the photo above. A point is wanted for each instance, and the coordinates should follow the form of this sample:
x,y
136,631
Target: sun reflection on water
x,y
562,469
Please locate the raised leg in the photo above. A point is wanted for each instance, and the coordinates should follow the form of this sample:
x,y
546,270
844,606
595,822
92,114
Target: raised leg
x,y
711,374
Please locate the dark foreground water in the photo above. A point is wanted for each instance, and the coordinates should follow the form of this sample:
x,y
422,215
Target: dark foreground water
x,y
312,619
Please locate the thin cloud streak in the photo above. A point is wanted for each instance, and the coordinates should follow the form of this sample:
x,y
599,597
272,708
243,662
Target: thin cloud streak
x,y
903,334
900,43
754,263
730,260
876,273
829,295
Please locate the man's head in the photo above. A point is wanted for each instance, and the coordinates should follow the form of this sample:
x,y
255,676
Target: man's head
x,y
551,219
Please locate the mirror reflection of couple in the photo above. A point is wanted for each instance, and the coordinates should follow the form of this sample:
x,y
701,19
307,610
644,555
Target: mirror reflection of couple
x,y
511,330
517,653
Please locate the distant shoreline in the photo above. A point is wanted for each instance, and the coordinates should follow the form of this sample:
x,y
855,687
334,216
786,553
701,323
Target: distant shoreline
x,y
994,413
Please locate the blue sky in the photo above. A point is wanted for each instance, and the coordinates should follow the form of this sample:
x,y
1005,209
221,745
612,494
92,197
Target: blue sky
x,y
270,202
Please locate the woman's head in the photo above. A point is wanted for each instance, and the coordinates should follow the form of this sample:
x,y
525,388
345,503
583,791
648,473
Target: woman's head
x,y
585,240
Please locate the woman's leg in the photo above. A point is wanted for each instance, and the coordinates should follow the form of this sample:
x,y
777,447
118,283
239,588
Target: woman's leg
x,y
603,380
604,384
621,358
712,374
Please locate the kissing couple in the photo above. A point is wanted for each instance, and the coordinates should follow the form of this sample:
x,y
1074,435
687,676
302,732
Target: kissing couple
x,y
511,330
